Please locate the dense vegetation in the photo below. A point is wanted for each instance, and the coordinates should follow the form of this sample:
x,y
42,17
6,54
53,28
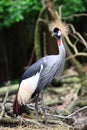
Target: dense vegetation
x,y
12,11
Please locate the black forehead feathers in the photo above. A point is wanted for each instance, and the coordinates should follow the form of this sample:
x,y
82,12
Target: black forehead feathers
x,y
56,29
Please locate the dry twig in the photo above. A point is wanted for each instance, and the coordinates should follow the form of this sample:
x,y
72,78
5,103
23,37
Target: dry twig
x,y
75,15
3,104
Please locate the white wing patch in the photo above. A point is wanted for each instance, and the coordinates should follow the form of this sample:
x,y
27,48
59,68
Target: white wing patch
x,y
41,68
27,88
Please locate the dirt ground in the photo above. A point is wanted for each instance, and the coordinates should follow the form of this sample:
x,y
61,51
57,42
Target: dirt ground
x,y
64,110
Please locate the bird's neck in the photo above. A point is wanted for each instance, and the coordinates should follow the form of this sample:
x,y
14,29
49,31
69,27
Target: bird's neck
x,y
61,48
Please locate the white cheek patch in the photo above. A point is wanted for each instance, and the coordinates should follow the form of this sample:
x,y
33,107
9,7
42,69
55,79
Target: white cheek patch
x,y
27,88
59,33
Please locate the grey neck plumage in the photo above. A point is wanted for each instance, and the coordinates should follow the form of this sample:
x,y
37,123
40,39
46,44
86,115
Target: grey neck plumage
x,y
62,49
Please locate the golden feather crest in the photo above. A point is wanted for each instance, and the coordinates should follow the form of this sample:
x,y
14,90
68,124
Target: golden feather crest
x,y
61,25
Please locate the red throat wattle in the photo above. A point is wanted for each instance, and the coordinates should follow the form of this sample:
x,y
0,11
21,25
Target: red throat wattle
x,y
58,42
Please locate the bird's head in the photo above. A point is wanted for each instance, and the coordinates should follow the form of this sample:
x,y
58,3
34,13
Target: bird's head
x,y
58,29
57,34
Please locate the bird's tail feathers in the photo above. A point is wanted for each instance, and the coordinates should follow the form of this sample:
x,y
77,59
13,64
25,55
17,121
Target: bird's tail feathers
x,y
17,108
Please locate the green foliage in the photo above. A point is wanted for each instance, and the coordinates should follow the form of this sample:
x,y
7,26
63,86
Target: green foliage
x,y
12,11
70,6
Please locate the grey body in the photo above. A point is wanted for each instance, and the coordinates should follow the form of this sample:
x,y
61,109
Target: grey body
x,y
52,66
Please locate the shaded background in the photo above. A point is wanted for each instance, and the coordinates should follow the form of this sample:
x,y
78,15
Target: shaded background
x,y
17,33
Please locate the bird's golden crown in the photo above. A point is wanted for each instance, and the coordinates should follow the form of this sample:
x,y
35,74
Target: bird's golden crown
x,y
61,25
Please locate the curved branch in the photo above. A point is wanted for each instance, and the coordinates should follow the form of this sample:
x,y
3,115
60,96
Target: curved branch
x,y
75,55
75,15
79,35
72,45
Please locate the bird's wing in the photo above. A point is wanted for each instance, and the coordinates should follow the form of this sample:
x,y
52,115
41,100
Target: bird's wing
x,y
47,73
33,69
50,65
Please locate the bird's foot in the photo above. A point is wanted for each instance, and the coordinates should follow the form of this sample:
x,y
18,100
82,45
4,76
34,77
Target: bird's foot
x,y
45,118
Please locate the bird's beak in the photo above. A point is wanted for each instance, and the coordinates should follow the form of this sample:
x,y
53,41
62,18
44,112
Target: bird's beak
x,y
54,34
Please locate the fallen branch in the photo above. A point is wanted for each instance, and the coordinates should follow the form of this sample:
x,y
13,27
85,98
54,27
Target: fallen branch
x,y
13,89
77,111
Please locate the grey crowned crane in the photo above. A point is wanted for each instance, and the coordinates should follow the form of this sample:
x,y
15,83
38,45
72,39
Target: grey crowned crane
x,y
40,74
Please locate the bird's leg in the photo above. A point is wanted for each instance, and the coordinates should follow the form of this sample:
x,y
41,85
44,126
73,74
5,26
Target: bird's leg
x,y
43,108
36,107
